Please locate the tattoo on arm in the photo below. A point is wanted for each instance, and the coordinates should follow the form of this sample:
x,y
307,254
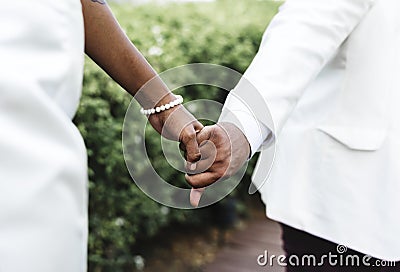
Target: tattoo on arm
x,y
102,2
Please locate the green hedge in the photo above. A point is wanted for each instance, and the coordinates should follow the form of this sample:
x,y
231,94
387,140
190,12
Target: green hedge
x,y
223,32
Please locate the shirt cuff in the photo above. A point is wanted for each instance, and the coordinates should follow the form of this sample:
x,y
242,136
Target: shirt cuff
x,y
237,112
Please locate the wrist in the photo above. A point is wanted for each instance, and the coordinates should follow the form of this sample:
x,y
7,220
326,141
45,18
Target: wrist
x,y
155,97
235,132
162,106
168,98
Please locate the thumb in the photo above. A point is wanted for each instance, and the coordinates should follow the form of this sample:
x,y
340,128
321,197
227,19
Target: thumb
x,y
205,134
195,196
200,137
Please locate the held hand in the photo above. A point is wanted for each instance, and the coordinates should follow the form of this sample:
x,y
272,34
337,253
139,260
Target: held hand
x,y
224,149
179,125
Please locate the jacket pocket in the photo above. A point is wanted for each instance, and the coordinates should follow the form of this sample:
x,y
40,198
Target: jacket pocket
x,y
362,139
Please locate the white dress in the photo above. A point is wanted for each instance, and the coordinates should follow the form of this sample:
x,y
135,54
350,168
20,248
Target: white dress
x,y
43,168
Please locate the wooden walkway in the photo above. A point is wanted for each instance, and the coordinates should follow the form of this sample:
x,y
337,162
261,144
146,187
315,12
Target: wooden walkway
x,y
240,254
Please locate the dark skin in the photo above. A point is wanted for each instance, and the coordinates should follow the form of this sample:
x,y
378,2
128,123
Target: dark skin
x,y
108,46
224,148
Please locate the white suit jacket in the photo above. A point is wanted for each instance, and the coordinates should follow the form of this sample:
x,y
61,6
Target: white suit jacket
x,y
329,72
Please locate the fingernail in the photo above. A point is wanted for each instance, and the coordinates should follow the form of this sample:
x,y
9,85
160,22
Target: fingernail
x,y
192,166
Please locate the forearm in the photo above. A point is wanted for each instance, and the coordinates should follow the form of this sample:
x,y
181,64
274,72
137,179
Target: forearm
x,y
300,40
107,45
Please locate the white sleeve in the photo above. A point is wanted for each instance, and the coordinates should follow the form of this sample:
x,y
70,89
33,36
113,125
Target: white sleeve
x,y
236,112
298,43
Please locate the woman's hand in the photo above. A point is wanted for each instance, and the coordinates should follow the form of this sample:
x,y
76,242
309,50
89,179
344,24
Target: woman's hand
x,y
107,44
179,125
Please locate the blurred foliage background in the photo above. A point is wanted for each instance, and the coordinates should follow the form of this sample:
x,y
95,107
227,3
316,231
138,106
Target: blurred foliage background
x,y
122,218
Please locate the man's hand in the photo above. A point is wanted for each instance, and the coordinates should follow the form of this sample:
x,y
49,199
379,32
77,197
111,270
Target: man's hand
x,y
224,149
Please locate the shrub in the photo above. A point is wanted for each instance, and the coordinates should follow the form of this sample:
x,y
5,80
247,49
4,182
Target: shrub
x,y
223,32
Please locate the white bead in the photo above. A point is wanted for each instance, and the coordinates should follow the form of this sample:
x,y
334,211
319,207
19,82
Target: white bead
x,y
177,101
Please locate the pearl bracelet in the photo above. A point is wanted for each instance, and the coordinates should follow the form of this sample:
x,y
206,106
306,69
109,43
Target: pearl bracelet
x,y
176,102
